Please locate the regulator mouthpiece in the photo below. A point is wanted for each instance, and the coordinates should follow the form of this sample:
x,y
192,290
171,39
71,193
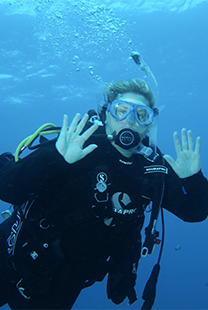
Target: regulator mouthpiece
x,y
126,138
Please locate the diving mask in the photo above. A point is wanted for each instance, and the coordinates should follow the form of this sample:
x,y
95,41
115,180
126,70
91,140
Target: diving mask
x,y
123,109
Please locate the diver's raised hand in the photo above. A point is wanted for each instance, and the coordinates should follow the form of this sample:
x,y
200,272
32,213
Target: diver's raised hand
x,y
70,142
188,160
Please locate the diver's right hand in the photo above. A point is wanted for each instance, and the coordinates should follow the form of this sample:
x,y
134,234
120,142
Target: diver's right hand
x,y
70,142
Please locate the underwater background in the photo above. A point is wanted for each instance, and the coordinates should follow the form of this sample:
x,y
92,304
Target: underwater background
x,y
55,56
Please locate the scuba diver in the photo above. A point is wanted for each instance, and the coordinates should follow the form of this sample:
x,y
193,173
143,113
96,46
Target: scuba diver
x,y
79,203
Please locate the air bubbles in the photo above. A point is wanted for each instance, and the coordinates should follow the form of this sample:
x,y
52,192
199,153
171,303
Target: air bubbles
x,y
178,248
75,24
59,15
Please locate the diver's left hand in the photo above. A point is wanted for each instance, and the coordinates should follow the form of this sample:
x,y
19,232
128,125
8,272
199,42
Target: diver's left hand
x,y
188,160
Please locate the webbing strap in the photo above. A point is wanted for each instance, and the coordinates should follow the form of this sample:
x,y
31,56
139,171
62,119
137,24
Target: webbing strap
x,y
157,198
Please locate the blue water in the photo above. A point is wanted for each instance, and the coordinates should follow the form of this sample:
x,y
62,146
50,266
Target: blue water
x,y
54,57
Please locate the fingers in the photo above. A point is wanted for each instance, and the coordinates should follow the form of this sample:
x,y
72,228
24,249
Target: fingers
x,y
60,143
177,142
170,160
64,125
89,149
74,123
198,146
82,124
90,131
190,141
77,125
187,142
184,140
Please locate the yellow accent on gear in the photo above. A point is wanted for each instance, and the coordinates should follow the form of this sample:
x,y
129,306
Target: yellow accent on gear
x,y
27,141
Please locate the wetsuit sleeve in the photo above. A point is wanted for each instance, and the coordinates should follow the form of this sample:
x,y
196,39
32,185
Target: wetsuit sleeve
x,y
186,198
24,180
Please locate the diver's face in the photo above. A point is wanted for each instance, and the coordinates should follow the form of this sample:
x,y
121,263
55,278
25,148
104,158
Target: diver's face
x,y
114,125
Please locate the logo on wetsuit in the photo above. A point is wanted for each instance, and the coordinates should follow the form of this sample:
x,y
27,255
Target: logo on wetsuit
x,y
120,201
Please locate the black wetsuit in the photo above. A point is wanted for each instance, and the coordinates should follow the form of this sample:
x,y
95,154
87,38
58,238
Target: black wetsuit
x,y
98,205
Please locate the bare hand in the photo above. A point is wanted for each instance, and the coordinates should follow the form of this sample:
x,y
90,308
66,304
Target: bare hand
x,y
70,142
188,160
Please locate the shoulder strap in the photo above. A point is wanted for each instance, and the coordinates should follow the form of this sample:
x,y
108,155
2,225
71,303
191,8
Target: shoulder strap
x,y
159,170
154,174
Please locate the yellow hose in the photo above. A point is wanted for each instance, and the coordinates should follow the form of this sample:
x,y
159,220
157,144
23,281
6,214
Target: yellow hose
x,y
27,141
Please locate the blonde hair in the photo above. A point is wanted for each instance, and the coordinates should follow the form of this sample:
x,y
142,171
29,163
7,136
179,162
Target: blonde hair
x,y
136,86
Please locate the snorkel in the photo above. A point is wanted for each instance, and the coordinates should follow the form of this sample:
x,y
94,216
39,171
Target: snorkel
x,y
150,151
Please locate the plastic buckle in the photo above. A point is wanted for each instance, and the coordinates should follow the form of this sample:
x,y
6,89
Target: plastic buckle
x,y
144,251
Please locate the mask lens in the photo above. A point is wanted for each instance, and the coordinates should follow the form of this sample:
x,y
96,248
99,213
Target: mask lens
x,y
120,110
144,115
